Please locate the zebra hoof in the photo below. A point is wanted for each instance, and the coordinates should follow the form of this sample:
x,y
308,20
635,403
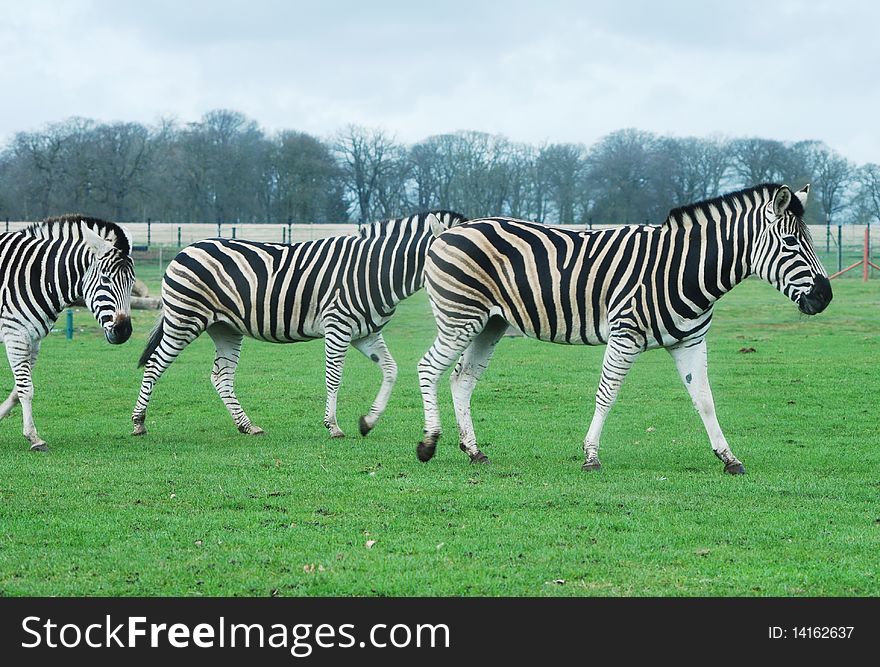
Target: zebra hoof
x,y
425,452
479,457
139,430
364,426
592,464
40,447
254,430
734,468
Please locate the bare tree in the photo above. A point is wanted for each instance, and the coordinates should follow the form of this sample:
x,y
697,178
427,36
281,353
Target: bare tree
x,y
40,155
120,160
621,179
868,178
758,160
307,181
521,191
564,167
367,157
690,169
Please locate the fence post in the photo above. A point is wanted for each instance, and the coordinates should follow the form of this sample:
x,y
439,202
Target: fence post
x,y
290,229
233,231
7,223
69,329
827,233
839,246
218,228
149,222
178,236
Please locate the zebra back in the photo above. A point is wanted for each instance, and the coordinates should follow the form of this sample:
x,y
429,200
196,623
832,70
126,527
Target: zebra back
x,y
285,292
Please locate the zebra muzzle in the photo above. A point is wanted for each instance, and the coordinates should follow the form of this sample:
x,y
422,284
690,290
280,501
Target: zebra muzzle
x,y
120,331
818,298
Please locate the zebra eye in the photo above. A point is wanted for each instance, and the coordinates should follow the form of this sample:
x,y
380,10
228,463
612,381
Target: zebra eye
x,y
105,280
790,241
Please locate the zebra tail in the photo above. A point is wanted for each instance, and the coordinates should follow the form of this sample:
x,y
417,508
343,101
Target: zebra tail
x,y
153,342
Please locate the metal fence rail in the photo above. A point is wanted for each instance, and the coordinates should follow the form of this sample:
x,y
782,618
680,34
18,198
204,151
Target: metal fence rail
x,y
842,247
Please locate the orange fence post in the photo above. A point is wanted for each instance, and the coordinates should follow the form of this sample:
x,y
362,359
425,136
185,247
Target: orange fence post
x,y
865,262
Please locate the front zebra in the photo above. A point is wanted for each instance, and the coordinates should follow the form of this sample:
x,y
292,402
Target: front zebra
x,y
343,288
633,288
45,268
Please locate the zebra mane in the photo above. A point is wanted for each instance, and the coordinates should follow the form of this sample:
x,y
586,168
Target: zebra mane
x,y
395,225
741,197
59,225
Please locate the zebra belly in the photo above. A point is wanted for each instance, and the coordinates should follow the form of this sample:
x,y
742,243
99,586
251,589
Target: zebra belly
x,y
573,331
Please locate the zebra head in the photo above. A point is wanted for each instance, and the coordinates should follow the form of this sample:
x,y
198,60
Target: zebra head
x,y
107,285
783,254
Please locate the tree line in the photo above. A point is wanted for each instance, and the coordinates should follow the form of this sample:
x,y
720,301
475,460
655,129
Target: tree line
x,y
226,168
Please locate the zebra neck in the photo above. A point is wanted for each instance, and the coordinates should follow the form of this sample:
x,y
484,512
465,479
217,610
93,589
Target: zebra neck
x,y
66,269
402,259
715,245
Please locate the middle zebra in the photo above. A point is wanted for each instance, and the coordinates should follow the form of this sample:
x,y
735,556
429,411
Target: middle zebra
x,y
341,288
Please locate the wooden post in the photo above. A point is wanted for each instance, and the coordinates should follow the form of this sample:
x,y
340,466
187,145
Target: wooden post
x,y
827,233
865,262
69,329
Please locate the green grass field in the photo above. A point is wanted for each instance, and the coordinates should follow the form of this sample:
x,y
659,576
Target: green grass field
x,y
195,508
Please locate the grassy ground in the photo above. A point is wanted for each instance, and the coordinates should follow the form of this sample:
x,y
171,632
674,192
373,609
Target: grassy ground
x,y
194,508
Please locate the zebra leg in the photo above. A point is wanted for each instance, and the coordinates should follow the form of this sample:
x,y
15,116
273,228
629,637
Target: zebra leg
x,y
227,342
22,354
464,378
691,359
12,400
373,347
451,341
620,355
336,344
172,344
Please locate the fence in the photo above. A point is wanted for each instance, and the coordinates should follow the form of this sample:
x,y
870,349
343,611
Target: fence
x,y
839,246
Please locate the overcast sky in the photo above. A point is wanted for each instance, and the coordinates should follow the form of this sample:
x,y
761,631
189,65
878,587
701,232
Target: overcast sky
x,y
533,71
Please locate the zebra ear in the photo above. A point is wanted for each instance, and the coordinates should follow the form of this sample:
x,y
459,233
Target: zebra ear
x,y
802,194
435,224
98,245
781,200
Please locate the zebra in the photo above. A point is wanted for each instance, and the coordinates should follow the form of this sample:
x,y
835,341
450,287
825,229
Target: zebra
x,y
43,269
343,288
632,288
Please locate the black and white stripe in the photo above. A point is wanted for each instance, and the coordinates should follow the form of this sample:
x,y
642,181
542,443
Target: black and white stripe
x,y
45,268
343,288
632,288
